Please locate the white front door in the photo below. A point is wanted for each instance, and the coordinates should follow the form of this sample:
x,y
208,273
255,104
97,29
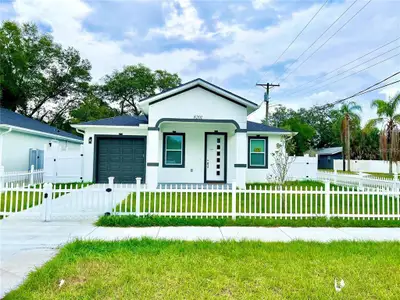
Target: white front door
x,y
215,157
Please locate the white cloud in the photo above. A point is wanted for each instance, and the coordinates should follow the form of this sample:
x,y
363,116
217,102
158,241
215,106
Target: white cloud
x,y
391,91
65,17
181,21
261,4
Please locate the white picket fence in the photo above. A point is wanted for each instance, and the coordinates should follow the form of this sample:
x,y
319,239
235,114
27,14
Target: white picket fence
x,y
23,178
361,180
200,201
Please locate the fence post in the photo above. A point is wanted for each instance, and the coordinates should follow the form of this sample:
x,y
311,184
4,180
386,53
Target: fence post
x,y
46,202
138,185
360,180
31,174
335,176
2,179
110,190
396,182
327,199
234,200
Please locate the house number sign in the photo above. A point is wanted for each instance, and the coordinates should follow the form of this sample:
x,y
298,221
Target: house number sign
x,y
197,117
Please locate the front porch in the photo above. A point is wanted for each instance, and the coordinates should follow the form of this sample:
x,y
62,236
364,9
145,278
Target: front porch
x,y
197,152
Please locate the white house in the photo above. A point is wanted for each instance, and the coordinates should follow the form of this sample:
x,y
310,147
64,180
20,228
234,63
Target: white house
x,y
195,133
19,134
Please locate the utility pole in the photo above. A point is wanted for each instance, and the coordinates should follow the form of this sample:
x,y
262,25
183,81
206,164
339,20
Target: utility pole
x,y
267,87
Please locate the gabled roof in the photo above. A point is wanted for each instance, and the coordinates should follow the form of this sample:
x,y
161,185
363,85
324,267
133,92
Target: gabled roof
x,y
9,118
118,121
252,126
144,103
330,151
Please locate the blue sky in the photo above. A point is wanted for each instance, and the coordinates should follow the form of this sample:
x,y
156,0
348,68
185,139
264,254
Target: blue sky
x,y
230,43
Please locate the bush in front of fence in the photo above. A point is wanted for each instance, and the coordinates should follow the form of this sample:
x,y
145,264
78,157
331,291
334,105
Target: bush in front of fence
x,y
151,221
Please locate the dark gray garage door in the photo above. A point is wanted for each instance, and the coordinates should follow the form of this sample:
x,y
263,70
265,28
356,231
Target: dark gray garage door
x,y
122,158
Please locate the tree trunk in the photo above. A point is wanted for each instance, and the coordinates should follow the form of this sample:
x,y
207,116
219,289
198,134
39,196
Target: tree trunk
x,y
390,158
348,149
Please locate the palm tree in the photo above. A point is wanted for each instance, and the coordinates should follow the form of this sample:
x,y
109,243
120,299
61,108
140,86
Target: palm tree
x,y
349,115
389,118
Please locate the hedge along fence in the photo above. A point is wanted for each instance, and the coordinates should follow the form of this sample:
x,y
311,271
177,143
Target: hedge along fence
x,y
261,201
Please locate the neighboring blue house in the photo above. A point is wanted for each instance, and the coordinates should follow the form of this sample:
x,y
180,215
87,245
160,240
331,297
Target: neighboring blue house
x,y
327,155
22,141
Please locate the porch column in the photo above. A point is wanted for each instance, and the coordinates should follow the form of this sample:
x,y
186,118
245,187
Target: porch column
x,y
241,158
152,161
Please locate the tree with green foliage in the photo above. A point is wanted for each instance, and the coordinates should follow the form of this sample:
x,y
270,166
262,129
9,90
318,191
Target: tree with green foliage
x,y
39,78
92,108
133,83
348,117
389,119
365,143
305,133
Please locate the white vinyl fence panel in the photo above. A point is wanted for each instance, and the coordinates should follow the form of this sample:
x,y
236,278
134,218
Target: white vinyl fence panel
x,y
373,166
62,165
201,201
303,167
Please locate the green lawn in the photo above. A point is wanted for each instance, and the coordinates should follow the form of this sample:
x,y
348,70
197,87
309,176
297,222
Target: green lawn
x,y
265,200
150,269
12,201
339,171
150,221
384,175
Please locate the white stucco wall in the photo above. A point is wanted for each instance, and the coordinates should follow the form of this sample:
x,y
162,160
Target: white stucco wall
x,y
197,102
193,172
16,145
88,149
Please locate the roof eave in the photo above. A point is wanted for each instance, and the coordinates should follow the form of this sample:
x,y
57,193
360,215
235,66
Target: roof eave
x,y
82,126
40,133
272,132
199,82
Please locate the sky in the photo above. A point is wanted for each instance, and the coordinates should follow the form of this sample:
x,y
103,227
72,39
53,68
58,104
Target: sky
x,y
234,44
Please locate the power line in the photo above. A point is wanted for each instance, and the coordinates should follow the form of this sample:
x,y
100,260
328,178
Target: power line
x,y
318,38
346,64
298,35
369,89
345,71
355,73
340,28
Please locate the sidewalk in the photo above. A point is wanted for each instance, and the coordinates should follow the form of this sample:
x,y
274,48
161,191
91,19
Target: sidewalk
x,y
26,245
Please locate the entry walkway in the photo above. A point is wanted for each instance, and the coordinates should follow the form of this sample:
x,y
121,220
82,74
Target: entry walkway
x,y
28,244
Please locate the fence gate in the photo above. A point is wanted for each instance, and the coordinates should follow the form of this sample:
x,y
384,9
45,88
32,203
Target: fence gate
x,y
80,201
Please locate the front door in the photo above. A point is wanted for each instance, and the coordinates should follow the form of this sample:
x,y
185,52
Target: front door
x,y
215,157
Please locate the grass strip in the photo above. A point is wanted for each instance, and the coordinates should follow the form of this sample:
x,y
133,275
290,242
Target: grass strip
x,y
150,221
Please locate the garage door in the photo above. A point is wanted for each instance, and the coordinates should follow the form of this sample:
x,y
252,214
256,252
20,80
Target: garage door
x,y
122,158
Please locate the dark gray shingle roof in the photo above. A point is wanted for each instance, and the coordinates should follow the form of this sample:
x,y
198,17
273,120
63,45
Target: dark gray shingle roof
x,y
8,117
330,151
119,121
252,126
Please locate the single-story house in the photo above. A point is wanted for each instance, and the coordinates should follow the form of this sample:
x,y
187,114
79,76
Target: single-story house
x,y
326,156
194,133
21,136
